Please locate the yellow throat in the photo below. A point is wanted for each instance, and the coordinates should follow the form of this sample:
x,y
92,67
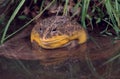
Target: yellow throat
x,y
58,41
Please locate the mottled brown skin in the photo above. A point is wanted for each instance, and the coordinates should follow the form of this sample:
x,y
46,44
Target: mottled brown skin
x,y
54,26
57,26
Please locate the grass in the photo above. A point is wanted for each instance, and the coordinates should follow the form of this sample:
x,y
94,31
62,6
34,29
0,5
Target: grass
x,y
93,69
112,10
112,58
10,20
65,7
4,37
85,5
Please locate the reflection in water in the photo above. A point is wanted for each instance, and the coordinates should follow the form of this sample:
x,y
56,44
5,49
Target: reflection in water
x,y
15,70
32,69
56,64
57,56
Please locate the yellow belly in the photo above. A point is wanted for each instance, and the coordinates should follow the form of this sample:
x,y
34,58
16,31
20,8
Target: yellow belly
x,y
58,41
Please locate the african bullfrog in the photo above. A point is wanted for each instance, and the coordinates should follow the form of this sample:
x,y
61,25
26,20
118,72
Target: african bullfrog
x,y
58,31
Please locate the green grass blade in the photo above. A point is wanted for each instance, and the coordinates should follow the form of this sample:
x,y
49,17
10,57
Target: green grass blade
x,y
36,17
65,7
11,19
84,11
112,59
112,12
92,68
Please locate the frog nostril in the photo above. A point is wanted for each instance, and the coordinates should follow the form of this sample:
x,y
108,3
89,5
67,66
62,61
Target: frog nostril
x,y
54,29
40,29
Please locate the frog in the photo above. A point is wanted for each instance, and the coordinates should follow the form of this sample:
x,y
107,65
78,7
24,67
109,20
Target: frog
x,y
58,32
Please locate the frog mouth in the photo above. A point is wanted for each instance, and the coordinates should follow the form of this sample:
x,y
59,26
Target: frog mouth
x,y
57,41
51,43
